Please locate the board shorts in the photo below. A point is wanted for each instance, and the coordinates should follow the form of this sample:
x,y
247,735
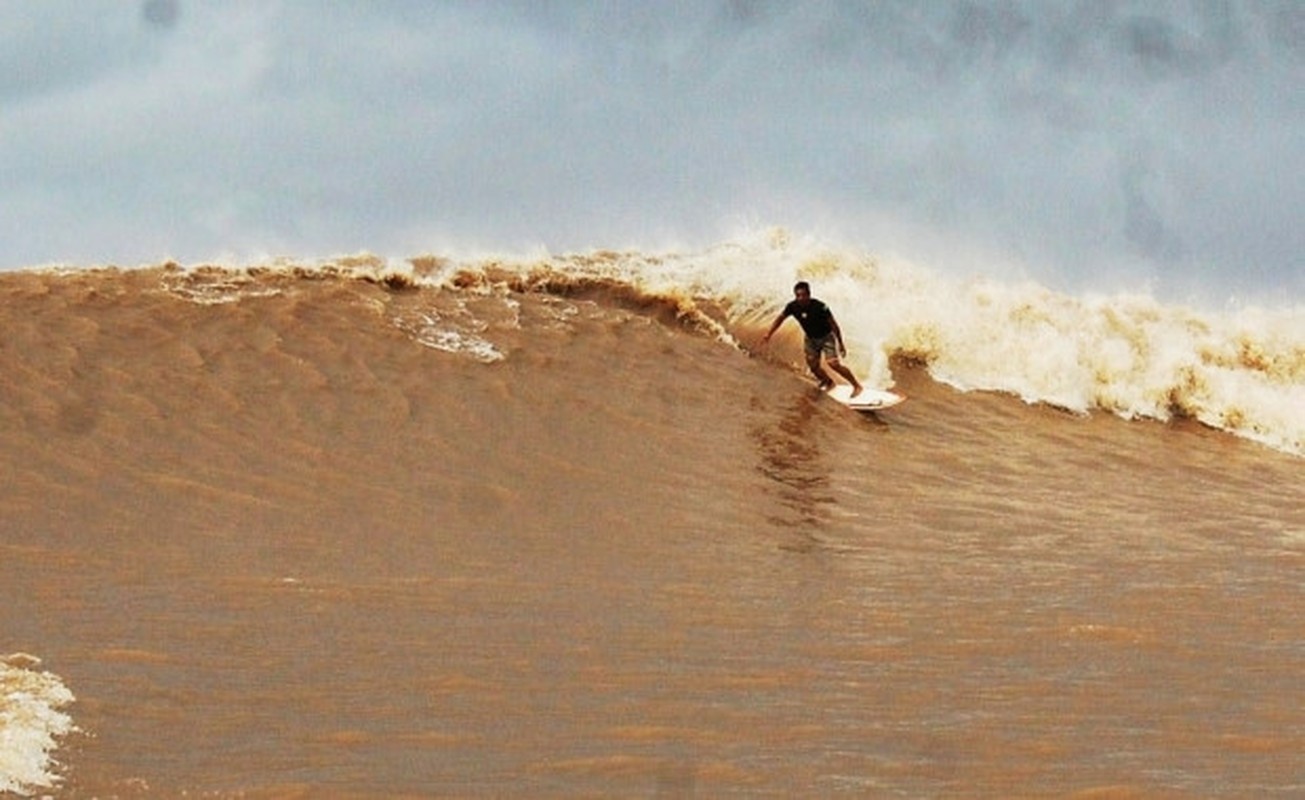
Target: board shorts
x,y
826,346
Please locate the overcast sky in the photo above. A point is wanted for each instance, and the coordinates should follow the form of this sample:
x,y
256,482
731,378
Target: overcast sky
x,y
1090,144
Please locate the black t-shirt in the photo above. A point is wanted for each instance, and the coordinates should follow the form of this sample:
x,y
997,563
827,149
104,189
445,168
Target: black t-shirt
x,y
814,318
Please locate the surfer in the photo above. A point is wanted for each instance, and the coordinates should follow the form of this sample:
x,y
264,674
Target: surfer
x,y
823,336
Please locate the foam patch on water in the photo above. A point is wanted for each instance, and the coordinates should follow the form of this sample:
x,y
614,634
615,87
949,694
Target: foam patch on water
x,y
31,723
450,335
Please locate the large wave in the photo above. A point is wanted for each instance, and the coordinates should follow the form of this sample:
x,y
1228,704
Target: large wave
x,y
1240,370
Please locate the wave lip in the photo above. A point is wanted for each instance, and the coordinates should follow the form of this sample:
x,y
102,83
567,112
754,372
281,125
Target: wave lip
x,y
31,723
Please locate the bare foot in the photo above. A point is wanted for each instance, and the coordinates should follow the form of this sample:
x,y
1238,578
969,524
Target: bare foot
x,y
857,389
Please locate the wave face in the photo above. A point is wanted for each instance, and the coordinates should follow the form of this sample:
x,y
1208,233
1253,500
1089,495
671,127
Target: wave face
x,y
560,526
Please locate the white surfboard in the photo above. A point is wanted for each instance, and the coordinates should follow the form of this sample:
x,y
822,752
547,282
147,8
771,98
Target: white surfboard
x,y
868,400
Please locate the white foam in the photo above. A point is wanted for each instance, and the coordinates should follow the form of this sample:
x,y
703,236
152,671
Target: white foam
x,y
31,723
1240,370
460,335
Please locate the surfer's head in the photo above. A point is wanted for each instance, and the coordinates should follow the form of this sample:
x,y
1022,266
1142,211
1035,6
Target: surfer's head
x,y
802,291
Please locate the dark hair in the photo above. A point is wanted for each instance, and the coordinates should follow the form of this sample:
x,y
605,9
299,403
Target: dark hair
x,y
800,285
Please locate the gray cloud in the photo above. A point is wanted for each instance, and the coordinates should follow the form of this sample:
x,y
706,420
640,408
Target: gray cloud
x,y
161,13
1081,142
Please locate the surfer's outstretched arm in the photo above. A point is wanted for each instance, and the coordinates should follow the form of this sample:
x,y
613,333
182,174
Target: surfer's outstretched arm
x,y
774,326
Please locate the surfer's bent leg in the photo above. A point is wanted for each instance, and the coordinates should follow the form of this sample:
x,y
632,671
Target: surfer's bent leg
x,y
837,366
830,350
812,349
